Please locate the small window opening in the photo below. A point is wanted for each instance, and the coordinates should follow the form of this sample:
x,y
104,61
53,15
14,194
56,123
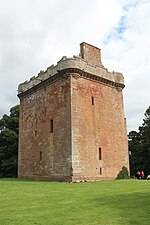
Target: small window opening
x,y
92,100
100,154
40,155
51,126
35,133
100,170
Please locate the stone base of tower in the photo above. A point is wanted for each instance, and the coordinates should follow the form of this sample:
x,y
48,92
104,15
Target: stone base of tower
x,y
90,179
46,178
73,179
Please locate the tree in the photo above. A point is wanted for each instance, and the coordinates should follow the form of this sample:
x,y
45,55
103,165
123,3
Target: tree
x,y
139,145
9,131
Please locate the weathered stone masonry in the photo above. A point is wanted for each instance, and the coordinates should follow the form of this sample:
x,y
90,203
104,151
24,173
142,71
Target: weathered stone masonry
x,y
72,124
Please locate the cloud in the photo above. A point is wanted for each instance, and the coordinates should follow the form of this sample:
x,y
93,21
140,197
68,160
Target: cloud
x,y
128,50
37,33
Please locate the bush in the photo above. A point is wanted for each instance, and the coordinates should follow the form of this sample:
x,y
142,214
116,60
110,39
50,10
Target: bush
x,y
123,174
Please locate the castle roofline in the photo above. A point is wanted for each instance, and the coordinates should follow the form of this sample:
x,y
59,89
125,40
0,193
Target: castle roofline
x,y
76,63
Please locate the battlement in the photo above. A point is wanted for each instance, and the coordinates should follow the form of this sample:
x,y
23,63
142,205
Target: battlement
x,y
89,61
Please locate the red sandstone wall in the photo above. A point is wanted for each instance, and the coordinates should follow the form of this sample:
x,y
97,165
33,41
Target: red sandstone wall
x,y
43,154
97,126
72,150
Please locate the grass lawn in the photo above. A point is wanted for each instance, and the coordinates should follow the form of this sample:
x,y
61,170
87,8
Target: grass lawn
x,y
118,202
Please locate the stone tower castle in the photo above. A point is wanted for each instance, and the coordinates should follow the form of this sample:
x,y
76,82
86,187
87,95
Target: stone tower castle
x,y
72,124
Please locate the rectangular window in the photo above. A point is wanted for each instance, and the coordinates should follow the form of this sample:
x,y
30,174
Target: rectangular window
x,y
40,156
100,154
92,100
51,126
35,133
100,170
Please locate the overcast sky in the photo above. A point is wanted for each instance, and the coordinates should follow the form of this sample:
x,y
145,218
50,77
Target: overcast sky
x,y
36,33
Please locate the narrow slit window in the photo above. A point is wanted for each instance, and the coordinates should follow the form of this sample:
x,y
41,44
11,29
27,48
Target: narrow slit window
x,y
40,156
35,133
100,154
92,100
51,126
100,170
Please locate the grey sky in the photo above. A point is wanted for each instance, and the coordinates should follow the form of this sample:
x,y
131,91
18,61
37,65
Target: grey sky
x,y
35,34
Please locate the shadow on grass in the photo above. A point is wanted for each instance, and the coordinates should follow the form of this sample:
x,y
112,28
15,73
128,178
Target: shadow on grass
x,y
130,208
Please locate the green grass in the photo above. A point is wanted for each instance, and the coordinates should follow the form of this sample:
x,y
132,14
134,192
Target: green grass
x,y
118,202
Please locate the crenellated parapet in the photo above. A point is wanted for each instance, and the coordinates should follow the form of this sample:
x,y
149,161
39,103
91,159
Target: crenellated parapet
x,y
78,65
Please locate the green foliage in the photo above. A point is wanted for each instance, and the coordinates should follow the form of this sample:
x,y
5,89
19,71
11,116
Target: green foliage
x,y
139,146
9,129
123,174
118,202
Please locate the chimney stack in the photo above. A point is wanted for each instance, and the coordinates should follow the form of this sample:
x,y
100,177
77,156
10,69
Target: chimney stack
x,y
91,54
